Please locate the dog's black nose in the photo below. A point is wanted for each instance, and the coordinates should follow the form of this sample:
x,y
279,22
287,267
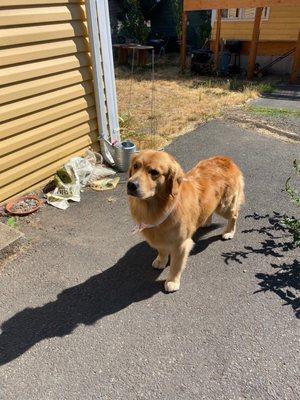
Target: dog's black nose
x,y
132,186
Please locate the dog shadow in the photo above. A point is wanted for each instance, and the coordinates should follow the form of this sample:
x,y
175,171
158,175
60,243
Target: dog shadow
x,y
201,243
130,280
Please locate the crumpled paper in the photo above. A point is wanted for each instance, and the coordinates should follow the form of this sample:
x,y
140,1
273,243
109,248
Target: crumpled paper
x,y
105,184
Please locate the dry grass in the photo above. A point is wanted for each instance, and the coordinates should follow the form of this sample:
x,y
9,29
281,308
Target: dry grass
x,y
181,103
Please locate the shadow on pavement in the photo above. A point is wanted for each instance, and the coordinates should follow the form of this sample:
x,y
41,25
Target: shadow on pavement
x,y
130,280
284,92
202,243
281,96
285,282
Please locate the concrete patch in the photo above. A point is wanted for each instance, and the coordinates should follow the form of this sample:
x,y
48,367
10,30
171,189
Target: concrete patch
x,y
284,97
264,125
10,240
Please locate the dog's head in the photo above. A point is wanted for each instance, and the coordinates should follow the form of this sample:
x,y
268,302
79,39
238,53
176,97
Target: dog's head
x,y
153,173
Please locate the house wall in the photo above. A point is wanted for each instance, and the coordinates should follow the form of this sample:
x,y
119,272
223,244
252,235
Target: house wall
x,y
47,110
278,35
282,25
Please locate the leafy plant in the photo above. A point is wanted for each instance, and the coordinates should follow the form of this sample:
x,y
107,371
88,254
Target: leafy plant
x,y
133,25
265,88
292,223
176,10
11,222
125,120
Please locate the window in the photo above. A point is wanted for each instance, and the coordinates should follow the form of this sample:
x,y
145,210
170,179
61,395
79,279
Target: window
x,y
231,13
238,14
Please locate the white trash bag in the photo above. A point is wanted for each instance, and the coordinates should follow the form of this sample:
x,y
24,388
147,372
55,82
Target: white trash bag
x,y
74,176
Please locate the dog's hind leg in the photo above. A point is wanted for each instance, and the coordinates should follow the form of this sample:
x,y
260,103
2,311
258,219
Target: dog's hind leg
x,y
178,262
161,260
208,222
231,214
231,226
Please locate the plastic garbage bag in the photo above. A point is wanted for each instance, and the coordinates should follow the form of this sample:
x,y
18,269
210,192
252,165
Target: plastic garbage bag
x,y
69,181
93,157
82,169
99,172
79,172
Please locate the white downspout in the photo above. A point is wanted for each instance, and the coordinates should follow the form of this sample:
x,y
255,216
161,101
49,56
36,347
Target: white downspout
x,y
108,68
100,91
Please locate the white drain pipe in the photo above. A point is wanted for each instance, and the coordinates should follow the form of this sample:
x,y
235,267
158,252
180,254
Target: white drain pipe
x,y
103,73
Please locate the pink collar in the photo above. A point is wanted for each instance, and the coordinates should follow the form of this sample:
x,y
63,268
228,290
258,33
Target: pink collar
x,y
140,227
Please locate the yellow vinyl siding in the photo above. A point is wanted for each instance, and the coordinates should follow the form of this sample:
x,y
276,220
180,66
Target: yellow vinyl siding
x,y
42,174
22,16
27,122
38,33
41,147
26,89
282,25
43,68
47,107
44,100
47,130
10,3
14,55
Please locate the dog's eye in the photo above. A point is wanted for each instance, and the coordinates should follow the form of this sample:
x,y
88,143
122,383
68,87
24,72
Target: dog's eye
x,y
154,172
135,166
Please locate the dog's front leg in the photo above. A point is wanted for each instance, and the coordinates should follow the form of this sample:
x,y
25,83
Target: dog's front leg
x,y
179,257
161,260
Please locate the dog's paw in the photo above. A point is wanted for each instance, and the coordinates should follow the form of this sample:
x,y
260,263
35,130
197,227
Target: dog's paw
x,y
227,235
171,286
159,263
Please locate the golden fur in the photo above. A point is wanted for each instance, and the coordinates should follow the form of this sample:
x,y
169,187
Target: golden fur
x,y
187,200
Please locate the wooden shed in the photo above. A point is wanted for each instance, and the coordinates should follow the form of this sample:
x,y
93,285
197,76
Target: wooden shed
x,y
50,110
278,33
266,28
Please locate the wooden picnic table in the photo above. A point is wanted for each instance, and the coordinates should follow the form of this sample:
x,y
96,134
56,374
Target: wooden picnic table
x,y
124,50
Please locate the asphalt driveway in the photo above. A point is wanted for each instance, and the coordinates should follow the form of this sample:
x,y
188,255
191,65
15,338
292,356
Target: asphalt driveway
x,y
84,316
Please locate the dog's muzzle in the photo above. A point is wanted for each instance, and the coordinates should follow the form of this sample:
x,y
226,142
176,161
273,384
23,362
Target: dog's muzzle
x,y
133,188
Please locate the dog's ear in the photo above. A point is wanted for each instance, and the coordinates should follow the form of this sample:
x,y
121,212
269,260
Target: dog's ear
x,y
174,178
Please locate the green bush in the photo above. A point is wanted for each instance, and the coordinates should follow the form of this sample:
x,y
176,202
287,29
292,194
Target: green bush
x,y
133,25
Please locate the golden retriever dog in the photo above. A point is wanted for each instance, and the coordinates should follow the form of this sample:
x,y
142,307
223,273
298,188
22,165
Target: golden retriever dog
x,y
169,205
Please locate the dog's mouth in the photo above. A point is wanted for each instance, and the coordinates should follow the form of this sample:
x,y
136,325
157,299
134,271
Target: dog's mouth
x,y
139,194
133,193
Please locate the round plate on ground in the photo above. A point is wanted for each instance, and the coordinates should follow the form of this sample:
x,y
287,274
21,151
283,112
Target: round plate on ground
x,y
24,205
